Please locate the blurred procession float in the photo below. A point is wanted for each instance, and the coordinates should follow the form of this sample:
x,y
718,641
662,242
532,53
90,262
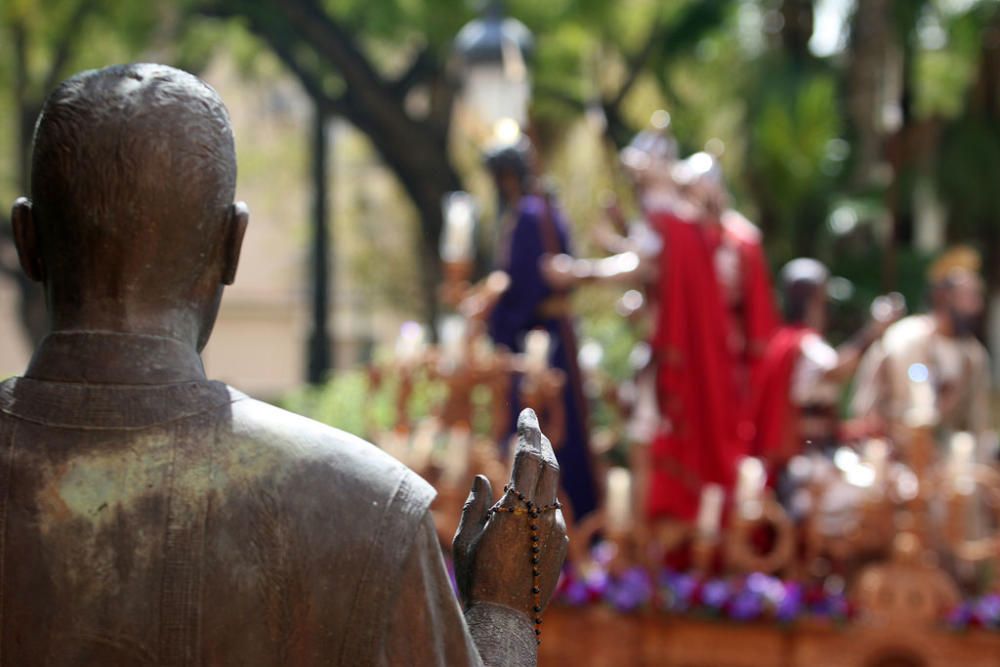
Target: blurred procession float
x,y
885,553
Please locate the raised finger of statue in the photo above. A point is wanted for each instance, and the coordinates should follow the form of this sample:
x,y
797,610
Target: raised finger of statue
x,y
528,455
548,483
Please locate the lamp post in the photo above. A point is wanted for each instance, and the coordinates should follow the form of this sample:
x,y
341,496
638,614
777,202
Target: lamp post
x,y
320,358
492,52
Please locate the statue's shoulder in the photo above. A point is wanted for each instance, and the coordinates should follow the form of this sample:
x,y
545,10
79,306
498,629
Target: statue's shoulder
x,y
282,449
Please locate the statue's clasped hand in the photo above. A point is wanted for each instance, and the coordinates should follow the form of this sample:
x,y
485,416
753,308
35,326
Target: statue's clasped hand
x,y
510,553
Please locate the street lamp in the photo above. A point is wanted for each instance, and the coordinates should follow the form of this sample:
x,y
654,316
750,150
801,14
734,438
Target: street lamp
x,y
492,52
319,352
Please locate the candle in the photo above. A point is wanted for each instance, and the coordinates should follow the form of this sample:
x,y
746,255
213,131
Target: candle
x,y
536,350
961,458
963,448
457,242
876,455
452,340
619,510
590,356
750,488
710,511
411,342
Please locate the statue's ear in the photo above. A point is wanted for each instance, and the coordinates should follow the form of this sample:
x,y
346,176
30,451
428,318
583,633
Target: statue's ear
x,y
239,217
26,239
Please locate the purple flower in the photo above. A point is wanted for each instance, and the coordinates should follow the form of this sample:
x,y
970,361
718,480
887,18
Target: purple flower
x,y
715,593
679,590
597,581
576,593
771,589
745,606
987,610
960,616
837,606
604,552
790,605
629,591
757,582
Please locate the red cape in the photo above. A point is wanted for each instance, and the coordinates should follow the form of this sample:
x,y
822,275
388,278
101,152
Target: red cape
x,y
758,316
696,385
775,416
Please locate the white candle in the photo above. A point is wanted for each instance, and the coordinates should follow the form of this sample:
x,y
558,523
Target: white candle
x,y
961,459
536,350
710,511
590,356
750,487
411,342
452,340
457,242
619,510
876,455
963,449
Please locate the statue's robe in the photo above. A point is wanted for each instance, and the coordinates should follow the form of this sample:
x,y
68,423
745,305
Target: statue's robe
x,y
149,516
745,279
912,356
715,315
537,228
795,405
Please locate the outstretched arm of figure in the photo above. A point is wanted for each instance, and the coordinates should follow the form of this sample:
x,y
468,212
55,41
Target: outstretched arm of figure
x,y
885,311
611,232
850,353
484,295
609,240
563,272
508,555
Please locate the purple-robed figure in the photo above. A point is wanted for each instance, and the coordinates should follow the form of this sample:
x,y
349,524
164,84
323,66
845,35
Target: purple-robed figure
x,y
534,228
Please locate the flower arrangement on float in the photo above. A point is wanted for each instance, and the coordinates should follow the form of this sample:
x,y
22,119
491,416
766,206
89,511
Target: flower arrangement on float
x,y
741,598
752,597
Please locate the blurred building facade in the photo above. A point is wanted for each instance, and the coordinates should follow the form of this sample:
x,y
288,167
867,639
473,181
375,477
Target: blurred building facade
x,y
259,343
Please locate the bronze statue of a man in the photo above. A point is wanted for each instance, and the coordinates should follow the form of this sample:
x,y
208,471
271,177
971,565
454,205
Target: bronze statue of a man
x,y
149,516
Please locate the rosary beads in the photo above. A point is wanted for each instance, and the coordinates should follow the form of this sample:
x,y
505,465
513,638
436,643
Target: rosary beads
x,y
533,511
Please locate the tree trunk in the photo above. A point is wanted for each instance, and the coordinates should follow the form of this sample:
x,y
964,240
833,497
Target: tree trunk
x,y
866,81
415,150
797,16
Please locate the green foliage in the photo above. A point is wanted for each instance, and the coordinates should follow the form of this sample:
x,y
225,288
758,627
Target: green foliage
x,y
790,157
967,172
864,269
785,122
350,402
342,402
600,323
403,22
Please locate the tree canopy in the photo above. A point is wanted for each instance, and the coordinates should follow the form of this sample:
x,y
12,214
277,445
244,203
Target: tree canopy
x,y
906,104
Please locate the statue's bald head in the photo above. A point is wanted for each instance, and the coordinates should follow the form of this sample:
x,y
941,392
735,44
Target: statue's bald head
x,y
133,177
